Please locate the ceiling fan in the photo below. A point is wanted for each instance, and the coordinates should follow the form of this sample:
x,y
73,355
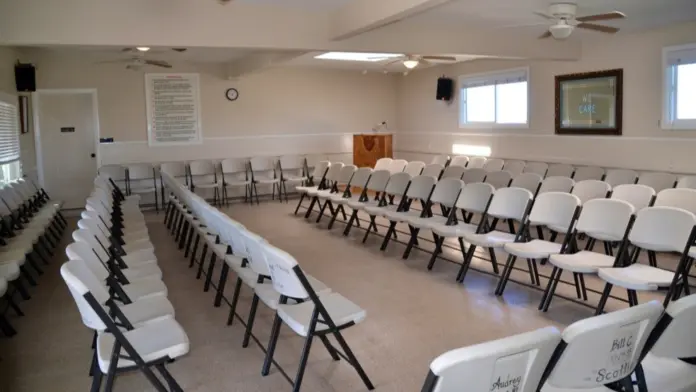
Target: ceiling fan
x,y
137,62
563,14
141,49
412,61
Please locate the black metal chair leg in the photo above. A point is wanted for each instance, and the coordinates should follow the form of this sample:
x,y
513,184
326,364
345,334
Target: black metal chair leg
x,y
19,286
549,297
299,203
468,256
250,321
209,274
438,249
603,300
506,275
411,242
201,262
270,350
221,284
6,327
235,299
385,242
349,225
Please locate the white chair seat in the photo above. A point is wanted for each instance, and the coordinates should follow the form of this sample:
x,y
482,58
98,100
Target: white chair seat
x,y
457,230
234,183
668,374
248,276
381,211
263,180
584,262
220,250
403,216
164,338
210,185
291,178
149,270
357,205
424,223
143,288
306,189
148,310
235,262
313,191
271,298
140,258
9,271
139,246
327,194
341,310
339,199
16,256
19,246
534,249
637,277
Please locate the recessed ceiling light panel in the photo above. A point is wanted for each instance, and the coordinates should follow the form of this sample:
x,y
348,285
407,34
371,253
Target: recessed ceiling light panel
x,y
357,56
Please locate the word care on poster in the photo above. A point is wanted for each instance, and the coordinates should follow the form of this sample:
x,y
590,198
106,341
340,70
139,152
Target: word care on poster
x,y
173,109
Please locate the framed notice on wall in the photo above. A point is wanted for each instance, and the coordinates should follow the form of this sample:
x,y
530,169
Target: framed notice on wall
x,y
589,103
173,109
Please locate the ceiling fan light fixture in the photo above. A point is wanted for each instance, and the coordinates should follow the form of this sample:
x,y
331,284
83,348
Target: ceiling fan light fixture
x,y
561,30
410,63
142,48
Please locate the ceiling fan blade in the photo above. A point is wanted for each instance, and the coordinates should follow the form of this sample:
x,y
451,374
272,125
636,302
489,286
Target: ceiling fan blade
x,y
399,60
545,35
596,27
179,49
544,15
608,16
443,58
114,61
128,50
158,63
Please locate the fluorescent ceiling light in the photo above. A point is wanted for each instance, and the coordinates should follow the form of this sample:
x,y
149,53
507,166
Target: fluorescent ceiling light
x,y
410,64
356,56
143,48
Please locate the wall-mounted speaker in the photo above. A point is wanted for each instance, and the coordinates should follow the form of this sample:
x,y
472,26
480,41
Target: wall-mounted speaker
x,y
25,77
445,87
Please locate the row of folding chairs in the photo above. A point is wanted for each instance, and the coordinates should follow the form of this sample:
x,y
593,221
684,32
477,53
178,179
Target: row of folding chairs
x,y
301,302
646,348
116,282
657,180
662,223
31,226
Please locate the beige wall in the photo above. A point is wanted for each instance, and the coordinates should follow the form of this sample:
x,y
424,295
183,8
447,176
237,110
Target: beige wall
x,y
426,125
279,111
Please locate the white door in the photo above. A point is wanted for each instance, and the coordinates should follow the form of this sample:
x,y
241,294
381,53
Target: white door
x,y
67,128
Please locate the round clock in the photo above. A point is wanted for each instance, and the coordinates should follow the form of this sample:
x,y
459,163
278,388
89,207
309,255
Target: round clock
x,y
232,94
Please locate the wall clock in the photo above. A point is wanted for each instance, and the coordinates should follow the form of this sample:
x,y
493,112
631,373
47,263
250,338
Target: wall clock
x,y
232,94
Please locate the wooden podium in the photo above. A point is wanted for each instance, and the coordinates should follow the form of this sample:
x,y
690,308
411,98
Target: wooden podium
x,y
369,147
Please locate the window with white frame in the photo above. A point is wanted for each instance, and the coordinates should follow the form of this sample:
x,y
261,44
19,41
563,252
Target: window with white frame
x,y
679,111
494,100
10,168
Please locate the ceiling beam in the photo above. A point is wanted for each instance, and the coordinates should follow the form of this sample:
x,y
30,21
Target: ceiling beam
x,y
360,16
259,61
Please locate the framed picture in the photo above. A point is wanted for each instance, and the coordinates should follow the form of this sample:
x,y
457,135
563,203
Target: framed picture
x,y
23,114
589,103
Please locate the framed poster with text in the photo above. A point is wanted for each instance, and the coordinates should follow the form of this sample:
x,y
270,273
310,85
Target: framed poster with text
x,y
173,109
589,103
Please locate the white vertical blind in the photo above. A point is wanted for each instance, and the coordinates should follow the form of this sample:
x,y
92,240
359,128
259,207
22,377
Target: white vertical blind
x,y
9,132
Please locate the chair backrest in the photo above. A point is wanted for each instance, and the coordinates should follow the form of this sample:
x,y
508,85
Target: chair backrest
x,y
528,181
658,181
583,173
683,198
320,169
262,164
283,276
620,176
640,196
360,177
174,169
255,252
291,162
554,209
494,164
421,187
346,174
560,170
687,182
499,179
662,229
539,168
202,168
141,171
81,281
476,162
433,170
312,160
80,250
446,191
440,160
397,165
453,171
474,197
603,349
415,168
591,189
234,165
459,160
605,217
398,184
556,184
334,171
514,167
510,203
383,164
515,363
115,172
672,343
474,175
378,180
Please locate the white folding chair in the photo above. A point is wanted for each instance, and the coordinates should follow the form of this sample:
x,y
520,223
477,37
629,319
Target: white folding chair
x,y
476,162
263,171
142,180
687,182
353,190
539,168
204,175
556,211
440,160
600,220
560,170
376,184
383,163
292,171
117,173
321,176
234,175
459,160
396,187
683,198
433,170
658,181
639,196
452,171
583,173
474,175
397,166
493,165
556,184
587,190
343,181
514,167
414,168
528,181
177,170
615,177
515,363
318,316
499,179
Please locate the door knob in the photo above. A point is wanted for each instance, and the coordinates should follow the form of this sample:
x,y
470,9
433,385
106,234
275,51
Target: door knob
x,y
93,155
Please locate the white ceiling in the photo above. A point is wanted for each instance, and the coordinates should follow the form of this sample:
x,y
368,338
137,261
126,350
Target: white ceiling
x,y
191,55
308,60
323,5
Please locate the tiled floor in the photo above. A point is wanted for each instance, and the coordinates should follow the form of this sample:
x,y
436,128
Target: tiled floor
x,y
413,316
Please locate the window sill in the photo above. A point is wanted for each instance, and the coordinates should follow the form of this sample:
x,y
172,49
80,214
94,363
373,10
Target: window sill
x,y
492,126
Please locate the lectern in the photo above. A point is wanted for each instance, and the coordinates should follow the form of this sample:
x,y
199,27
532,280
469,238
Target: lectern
x,y
368,148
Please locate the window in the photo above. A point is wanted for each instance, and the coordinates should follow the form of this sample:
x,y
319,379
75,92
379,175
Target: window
x,y
9,139
679,110
494,100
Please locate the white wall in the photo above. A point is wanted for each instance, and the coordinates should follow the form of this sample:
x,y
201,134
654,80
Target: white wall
x,y
279,111
429,126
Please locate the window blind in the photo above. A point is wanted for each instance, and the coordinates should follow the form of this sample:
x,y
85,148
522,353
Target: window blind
x,y
493,79
9,133
681,57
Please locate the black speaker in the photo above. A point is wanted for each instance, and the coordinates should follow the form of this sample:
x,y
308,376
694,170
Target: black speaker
x,y
445,87
25,77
